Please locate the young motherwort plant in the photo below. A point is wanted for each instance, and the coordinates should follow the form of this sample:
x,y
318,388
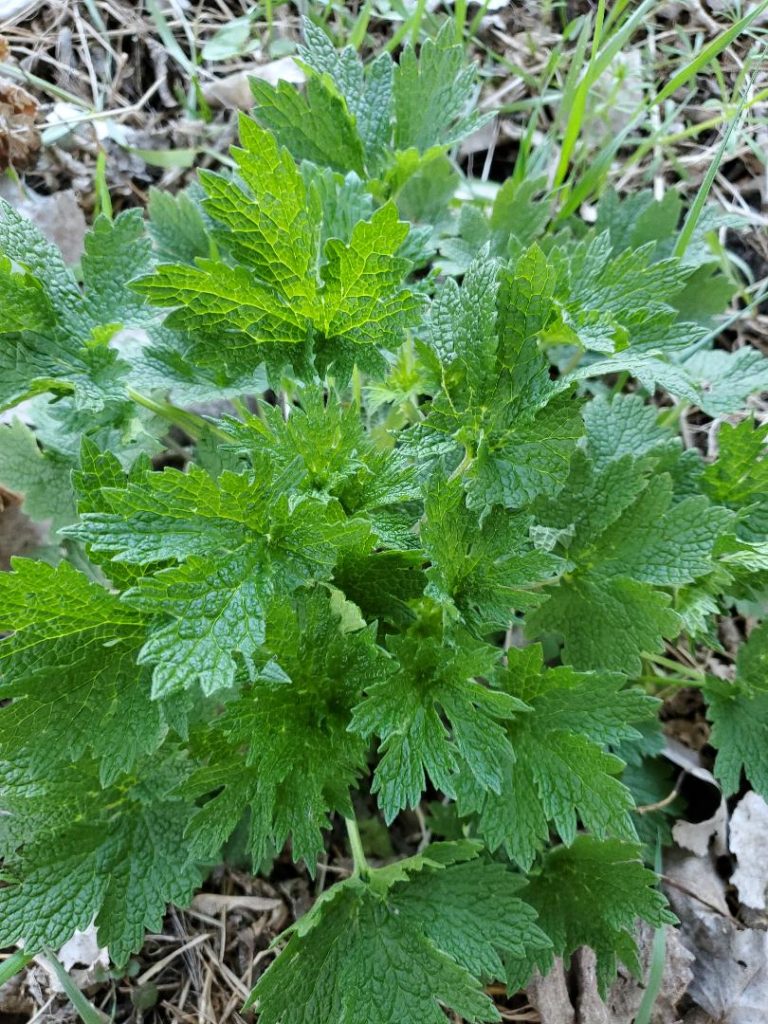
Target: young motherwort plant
x,y
435,552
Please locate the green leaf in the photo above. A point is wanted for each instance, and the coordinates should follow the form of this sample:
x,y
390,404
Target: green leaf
x,y
367,93
26,306
117,855
69,666
406,713
317,126
177,227
429,927
432,94
238,540
592,894
627,539
517,427
42,477
560,773
484,572
283,290
300,758
739,715
62,346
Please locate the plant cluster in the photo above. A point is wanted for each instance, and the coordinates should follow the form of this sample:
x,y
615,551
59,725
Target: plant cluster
x,y
434,553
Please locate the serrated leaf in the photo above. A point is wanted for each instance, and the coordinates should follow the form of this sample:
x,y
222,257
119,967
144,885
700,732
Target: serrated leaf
x,y
118,856
316,126
432,94
739,715
628,539
592,893
406,714
560,773
328,973
481,572
300,759
214,605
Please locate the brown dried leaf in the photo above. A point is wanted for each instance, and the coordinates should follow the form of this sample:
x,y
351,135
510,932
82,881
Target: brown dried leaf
x,y
18,534
19,136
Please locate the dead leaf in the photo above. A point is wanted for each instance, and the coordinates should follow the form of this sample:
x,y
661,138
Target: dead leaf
x,y
59,217
590,1008
84,949
234,90
19,136
212,903
5,49
14,10
549,995
18,534
730,970
696,836
749,842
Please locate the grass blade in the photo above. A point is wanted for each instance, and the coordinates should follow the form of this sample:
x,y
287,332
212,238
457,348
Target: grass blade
x,y
710,51
13,964
697,205
85,1009
658,958
599,61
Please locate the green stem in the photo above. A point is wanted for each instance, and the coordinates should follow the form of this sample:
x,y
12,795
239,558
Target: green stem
x,y
362,870
693,675
193,424
672,416
464,465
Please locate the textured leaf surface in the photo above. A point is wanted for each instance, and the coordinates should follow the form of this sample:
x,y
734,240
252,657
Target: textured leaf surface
x,y
435,935
238,540
556,769
405,714
628,539
300,758
739,715
117,855
592,893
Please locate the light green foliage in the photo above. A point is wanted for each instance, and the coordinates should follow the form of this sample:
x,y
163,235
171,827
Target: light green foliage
x,y
42,477
333,458
237,542
432,93
739,476
283,290
368,96
177,227
319,488
71,661
481,573
60,339
316,126
518,429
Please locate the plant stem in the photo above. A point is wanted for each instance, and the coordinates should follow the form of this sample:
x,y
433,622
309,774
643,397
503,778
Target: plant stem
x,y
193,424
465,463
693,675
361,868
